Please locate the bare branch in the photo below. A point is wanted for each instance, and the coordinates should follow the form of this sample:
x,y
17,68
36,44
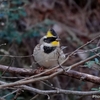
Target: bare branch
x,y
83,76
57,91
15,70
31,79
10,93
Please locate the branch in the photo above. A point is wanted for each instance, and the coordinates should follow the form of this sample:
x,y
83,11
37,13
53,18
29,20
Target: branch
x,y
79,76
83,76
14,70
38,77
56,91
25,71
59,91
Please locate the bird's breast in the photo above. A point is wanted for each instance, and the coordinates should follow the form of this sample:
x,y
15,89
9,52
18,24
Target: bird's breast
x,y
46,60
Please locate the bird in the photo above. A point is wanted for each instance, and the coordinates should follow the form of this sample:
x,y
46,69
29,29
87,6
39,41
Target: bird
x,y
48,52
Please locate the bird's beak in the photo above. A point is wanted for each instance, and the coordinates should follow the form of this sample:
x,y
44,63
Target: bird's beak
x,y
58,39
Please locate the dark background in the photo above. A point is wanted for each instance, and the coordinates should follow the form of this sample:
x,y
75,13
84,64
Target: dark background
x,y
24,22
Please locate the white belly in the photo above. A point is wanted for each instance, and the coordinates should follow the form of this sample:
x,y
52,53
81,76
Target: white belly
x,y
47,60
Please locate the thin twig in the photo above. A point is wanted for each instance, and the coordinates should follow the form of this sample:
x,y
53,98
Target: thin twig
x,y
11,93
85,51
34,97
58,91
13,56
17,94
21,82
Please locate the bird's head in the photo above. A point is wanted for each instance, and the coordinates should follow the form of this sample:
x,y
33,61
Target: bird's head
x,y
51,39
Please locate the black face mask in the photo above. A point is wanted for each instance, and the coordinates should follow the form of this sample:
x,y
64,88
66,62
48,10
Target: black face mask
x,y
49,39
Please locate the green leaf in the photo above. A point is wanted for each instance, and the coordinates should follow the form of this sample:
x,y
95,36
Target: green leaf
x,y
0,73
90,63
16,1
96,61
22,12
94,89
13,16
48,22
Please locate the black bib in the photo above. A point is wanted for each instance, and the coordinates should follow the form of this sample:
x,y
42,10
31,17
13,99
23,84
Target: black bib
x,y
48,49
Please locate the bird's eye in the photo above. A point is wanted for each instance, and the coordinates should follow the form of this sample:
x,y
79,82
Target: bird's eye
x,y
45,40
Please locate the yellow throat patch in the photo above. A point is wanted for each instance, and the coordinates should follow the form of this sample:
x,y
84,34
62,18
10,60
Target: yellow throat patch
x,y
55,43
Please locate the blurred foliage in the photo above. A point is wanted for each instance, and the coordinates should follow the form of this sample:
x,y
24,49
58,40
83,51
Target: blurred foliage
x,y
8,16
96,89
91,63
11,12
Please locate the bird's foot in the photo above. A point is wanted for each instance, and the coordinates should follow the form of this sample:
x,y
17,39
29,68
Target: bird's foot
x,y
39,70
